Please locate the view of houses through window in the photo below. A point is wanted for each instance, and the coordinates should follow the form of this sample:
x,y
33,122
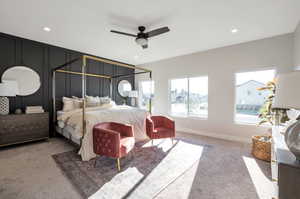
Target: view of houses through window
x,y
189,96
146,92
248,99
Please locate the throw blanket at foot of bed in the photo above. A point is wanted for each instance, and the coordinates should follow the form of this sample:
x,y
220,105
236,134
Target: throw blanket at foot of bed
x,y
95,115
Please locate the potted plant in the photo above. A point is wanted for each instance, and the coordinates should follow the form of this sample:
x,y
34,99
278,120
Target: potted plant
x,y
261,144
266,113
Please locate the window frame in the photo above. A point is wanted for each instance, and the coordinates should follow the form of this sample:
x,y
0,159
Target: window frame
x,y
200,116
239,122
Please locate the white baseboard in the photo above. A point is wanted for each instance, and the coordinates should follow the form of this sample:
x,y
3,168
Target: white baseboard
x,y
215,135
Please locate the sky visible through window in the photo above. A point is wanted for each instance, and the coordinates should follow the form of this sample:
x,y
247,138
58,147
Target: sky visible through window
x,y
260,76
147,87
197,85
146,92
179,84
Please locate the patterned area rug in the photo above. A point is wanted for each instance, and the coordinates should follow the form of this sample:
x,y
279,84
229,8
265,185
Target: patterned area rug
x,y
144,173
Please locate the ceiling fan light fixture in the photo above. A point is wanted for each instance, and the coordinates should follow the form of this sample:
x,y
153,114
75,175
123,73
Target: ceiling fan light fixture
x,y
141,41
142,37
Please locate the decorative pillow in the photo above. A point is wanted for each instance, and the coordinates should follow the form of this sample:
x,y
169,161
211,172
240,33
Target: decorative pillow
x,y
77,102
104,100
92,101
68,104
109,105
78,98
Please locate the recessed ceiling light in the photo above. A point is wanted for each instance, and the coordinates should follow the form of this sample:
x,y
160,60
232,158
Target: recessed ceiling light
x,y
234,30
47,29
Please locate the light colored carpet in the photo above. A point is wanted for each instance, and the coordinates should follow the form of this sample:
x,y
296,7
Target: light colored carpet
x,y
225,171
29,172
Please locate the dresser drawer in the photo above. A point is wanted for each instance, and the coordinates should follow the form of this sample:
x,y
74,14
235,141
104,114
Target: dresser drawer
x,y
23,128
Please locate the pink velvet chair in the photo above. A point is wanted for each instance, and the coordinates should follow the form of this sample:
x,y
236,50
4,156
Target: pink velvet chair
x,y
113,140
158,127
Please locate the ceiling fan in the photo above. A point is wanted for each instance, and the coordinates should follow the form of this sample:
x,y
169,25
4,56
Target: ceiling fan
x,y
141,38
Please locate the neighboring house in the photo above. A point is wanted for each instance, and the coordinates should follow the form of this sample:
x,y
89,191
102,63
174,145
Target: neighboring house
x,y
247,93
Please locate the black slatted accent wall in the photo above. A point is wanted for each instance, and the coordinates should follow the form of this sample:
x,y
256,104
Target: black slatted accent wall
x,y
42,58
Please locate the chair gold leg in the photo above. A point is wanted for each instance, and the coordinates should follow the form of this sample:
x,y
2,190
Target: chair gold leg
x,y
95,163
118,164
132,154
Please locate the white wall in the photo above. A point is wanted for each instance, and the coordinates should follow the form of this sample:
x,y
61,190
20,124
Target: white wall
x,y
220,65
297,47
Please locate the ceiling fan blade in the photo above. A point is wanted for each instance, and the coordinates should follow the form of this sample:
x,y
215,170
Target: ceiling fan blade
x,y
123,33
145,46
158,31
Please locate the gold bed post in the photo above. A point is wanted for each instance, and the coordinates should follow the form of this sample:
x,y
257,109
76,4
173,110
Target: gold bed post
x,y
54,100
83,96
150,99
110,88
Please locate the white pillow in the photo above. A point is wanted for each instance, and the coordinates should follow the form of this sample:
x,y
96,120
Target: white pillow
x,y
104,100
92,101
68,104
112,103
77,102
109,105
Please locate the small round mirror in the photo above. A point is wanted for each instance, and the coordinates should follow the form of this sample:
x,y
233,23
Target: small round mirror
x,y
124,87
27,79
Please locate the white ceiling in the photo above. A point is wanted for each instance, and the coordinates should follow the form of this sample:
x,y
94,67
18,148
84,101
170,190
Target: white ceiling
x,y
196,25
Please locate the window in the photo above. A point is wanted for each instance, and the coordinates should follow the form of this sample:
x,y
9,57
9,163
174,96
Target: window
x,y
189,96
248,99
179,96
146,92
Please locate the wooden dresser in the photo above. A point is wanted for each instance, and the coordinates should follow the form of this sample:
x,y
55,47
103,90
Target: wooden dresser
x,y
285,169
22,128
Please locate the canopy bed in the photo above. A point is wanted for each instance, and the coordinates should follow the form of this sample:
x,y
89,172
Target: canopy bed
x,y
79,123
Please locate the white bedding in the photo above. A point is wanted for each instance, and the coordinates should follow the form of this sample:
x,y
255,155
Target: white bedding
x,y
95,115
67,132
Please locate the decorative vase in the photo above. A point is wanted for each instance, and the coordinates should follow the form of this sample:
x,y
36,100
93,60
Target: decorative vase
x,y
292,139
18,111
4,106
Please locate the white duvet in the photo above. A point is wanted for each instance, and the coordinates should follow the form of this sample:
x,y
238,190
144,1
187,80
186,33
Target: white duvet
x,y
95,115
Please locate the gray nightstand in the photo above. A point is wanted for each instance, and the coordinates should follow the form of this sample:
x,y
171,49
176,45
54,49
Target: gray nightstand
x,y
15,129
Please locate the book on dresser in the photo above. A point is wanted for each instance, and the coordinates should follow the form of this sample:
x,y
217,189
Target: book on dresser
x,y
34,109
21,128
285,168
